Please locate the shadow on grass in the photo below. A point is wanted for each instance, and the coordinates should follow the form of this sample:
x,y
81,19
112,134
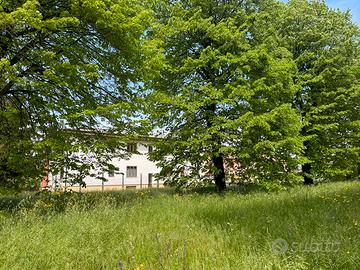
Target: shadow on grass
x,y
45,201
240,189
59,201
280,205
302,217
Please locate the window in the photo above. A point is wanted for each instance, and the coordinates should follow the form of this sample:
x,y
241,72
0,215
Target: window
x,y
131,171
132,147
150,148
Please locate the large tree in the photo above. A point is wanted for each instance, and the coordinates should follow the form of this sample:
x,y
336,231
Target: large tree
x,y
325,47
223,95
63,60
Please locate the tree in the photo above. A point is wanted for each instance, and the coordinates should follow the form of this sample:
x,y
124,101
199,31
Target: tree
x,y
223,95
64,60
325,48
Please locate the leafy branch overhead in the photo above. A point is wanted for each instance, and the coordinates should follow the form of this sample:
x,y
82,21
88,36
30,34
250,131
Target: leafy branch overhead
x,y
254,90
247,91
66,62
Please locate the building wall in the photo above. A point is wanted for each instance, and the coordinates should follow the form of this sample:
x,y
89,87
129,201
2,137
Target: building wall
x,y
144,168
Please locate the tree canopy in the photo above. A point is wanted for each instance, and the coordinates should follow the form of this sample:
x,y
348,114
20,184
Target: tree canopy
x,y
224,95
325,47
248,91
64,62
259,88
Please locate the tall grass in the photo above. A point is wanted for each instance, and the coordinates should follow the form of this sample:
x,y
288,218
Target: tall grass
x,y
165,230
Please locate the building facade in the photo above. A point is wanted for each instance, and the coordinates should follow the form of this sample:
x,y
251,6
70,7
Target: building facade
x,y
136,172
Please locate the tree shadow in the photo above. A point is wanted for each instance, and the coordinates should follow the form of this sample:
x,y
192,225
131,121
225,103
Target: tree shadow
x,y
298,217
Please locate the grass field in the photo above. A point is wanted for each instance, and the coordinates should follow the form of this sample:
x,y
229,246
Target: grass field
x,y
304,228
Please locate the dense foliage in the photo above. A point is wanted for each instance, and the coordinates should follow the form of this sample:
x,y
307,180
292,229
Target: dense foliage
x,y
325,45
254,89
245,91
225,94
63,63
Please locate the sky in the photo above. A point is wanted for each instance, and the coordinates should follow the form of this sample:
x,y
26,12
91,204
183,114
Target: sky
x,y
353,5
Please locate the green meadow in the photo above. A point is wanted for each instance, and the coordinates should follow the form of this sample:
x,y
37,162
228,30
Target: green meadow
x,y
301,228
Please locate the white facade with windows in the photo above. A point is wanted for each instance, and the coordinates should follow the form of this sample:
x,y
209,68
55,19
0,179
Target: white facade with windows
x,y
136,172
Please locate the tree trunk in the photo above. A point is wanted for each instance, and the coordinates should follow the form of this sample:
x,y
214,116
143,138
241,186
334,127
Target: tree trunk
x,y
306,168
216,157
219,173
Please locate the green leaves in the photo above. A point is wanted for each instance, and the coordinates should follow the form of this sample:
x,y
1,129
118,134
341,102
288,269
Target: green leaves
x,y
257,87
325,46
226,93
72,61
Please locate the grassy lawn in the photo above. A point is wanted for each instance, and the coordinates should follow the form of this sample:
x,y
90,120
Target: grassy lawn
x,y
304,228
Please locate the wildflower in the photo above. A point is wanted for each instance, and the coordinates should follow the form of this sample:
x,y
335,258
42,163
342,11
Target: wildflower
x,y
140,267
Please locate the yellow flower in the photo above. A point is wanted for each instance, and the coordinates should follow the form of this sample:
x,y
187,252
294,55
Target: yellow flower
x,y
140,267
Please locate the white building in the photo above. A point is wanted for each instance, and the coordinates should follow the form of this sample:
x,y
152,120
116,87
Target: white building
x,y
136,172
